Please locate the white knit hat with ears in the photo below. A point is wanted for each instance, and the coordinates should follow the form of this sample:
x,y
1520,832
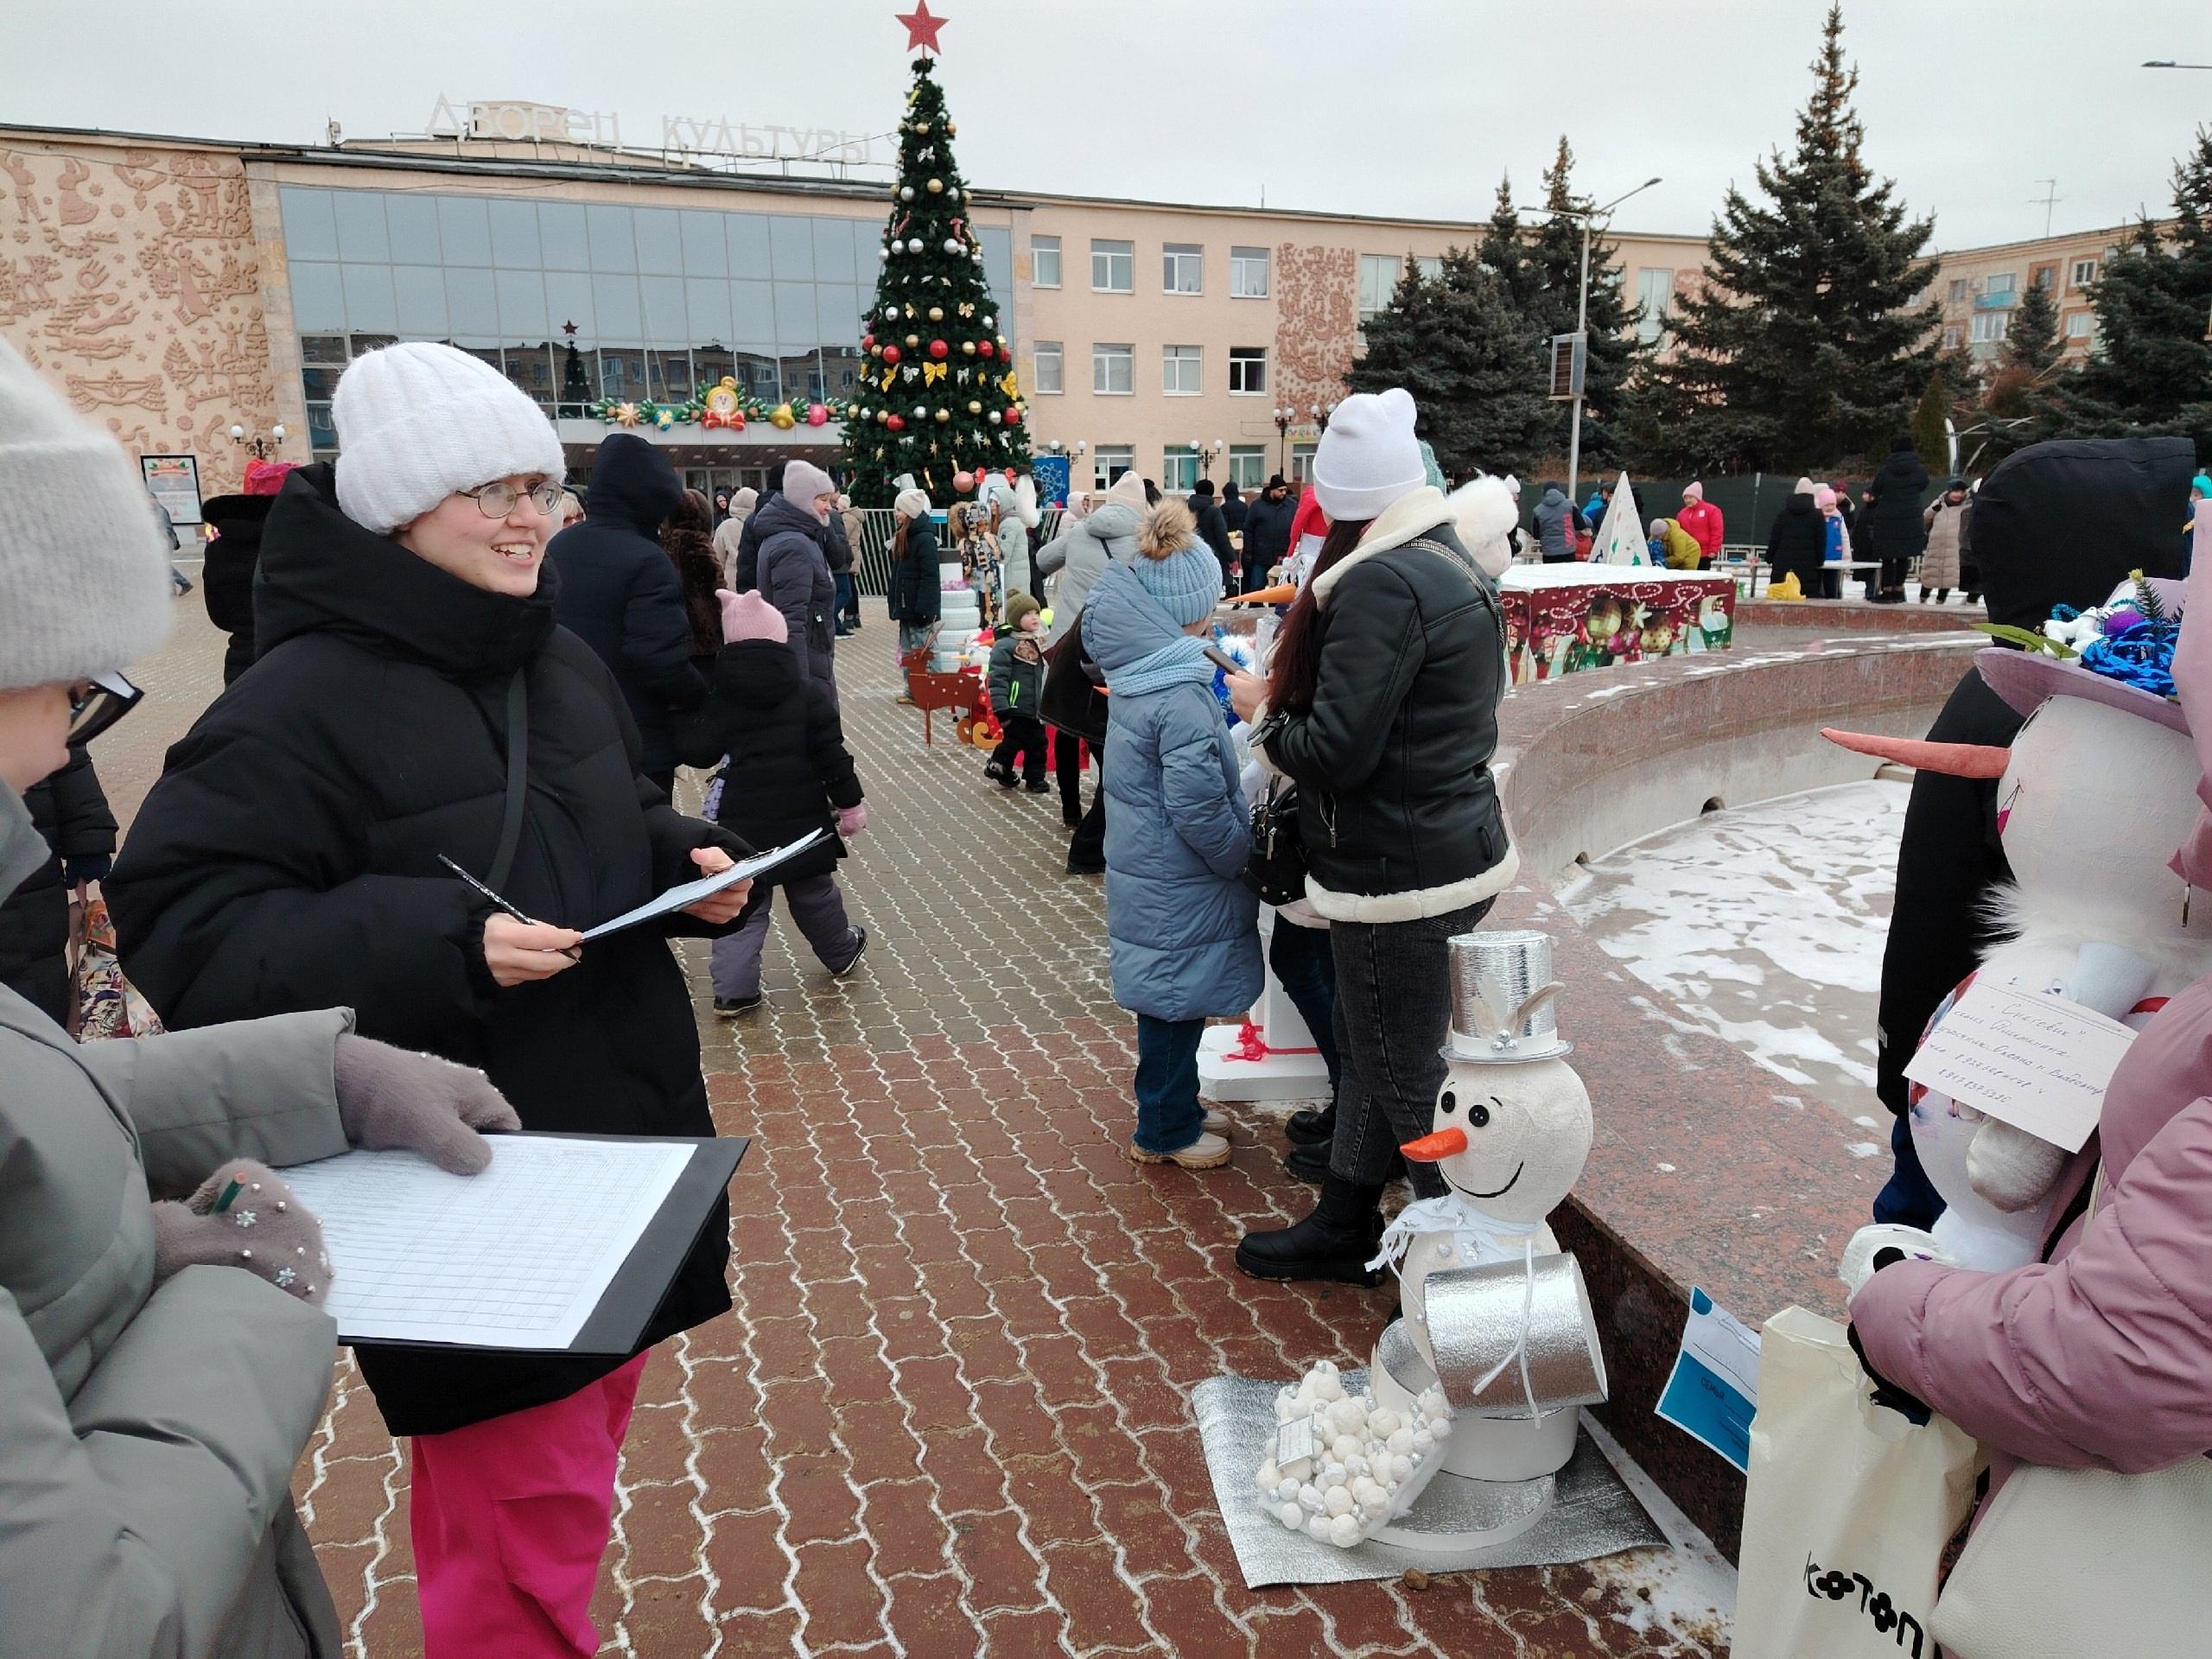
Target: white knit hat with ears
x,y
1369,456
416,422
84,575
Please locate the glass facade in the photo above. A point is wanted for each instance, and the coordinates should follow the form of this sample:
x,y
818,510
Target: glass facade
x,y
579,300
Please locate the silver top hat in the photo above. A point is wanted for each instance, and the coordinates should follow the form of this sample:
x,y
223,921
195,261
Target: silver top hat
x,y
1502,999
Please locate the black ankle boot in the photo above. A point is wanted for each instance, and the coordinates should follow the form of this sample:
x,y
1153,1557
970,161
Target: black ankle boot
x,y
1310,1128
1334,1244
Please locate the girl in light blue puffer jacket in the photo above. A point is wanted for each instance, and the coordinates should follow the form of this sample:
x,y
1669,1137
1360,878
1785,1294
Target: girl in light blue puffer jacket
x,y
1184,927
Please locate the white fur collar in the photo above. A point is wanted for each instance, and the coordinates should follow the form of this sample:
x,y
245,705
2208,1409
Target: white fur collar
x,y
1413,514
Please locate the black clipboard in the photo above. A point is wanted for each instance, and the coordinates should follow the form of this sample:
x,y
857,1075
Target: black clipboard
x,y
633,1295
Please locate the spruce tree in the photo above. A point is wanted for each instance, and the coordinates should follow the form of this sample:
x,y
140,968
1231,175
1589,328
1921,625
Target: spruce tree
x,y
1929,440
2032,337
1614,353
1505,251
938,393
1802,352
1457,344
2151,370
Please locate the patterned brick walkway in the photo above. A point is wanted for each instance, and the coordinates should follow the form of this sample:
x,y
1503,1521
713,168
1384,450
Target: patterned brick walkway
x,y
950,1417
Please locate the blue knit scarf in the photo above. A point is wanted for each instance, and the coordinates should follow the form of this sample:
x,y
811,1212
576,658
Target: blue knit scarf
x,y
1181,662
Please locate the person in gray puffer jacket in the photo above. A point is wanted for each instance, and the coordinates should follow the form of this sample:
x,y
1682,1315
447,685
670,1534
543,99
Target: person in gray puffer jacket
x,y
158,1381
794,570
1184,927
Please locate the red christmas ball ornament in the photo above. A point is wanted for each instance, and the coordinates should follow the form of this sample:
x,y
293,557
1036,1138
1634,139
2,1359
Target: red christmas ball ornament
x,y
1010,474
963,482
1014,418
986,349
939,349
896,423
866,341
891,353
817,414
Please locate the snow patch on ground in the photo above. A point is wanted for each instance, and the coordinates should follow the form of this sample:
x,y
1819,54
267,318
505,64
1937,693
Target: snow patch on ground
x,y
1765,925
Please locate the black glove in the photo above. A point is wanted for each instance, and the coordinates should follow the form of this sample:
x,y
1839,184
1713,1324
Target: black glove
x,y
1886,1392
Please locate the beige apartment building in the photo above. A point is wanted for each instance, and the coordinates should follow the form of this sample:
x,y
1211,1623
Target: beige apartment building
x,y
201,298
1979,288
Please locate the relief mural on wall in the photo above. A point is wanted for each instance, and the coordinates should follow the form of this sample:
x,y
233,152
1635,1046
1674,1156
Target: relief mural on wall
x,y
132,285
1317,324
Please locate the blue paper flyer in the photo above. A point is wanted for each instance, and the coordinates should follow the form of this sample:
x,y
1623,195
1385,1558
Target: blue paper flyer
x,y
1713,1392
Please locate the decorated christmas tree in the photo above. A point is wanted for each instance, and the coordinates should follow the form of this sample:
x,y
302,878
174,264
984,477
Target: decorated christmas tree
x,y
938,397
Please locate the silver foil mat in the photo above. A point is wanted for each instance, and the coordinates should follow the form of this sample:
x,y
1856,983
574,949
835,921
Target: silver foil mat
x,y
1592,1514
1476,1314
1493,972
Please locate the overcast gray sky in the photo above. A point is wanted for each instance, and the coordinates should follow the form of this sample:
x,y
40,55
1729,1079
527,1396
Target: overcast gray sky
x,y
1412,106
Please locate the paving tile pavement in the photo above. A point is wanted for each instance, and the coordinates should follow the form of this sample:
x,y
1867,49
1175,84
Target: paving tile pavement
x,y
950,1416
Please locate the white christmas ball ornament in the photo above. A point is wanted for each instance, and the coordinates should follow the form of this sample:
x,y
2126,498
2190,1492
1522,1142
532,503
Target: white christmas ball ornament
x,y
990,322
952,192
1440,1428
1292,1516
883,256
913,245
905,192
952,245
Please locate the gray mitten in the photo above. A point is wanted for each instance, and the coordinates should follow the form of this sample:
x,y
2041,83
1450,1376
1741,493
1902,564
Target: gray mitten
x,y
264,1230
391,1099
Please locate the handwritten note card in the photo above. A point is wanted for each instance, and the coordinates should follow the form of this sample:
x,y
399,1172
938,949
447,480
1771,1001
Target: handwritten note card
x,y
2038,1062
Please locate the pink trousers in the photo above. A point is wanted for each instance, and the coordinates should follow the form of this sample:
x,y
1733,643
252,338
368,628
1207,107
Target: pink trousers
x,y
510,1517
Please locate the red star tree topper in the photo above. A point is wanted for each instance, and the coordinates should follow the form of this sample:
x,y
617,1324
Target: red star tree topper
x,y
921,27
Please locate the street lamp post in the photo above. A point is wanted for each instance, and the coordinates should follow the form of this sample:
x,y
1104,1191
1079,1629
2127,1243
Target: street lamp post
x,y
1582,312
259,445
1283,418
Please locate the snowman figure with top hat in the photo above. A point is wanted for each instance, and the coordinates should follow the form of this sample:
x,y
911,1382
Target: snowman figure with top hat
x,y
1497,1325
2093,796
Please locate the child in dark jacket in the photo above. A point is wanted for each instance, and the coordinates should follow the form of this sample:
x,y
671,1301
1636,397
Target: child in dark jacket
x,y
787,773
1017,689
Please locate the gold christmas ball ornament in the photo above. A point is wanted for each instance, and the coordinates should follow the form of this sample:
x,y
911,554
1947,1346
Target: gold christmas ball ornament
x,y
922,127
937,313
974,407
914,340
968,347
937,186
943,416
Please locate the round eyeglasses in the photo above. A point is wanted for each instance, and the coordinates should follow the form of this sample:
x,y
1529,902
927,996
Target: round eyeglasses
x,y
497,500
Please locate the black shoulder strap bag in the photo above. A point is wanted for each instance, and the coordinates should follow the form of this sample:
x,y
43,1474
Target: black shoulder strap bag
x,y
1071,700
503,861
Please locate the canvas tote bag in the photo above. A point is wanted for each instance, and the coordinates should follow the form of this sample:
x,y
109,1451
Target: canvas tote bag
x,y
1848,1508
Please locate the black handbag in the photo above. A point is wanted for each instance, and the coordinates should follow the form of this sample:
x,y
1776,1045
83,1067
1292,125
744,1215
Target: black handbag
x,y
1276,868
1071,700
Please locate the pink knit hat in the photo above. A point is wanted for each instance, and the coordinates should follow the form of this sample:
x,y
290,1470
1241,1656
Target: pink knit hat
x,y
748,616
1692,490
1824,499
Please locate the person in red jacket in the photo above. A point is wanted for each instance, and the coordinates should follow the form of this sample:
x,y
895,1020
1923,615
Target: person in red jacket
x,y
1308,520
1702,520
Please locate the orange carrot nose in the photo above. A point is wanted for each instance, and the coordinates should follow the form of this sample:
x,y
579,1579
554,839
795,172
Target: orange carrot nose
x,y
1281,593
1434,1148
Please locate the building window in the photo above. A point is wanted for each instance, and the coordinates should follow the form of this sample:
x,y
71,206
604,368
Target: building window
x,y
1045,369
1248,370
1110,460
1989,326
1113,369
1378,276
1655,299
2085,272
2082,325
1248,465
1044,262
1430,265
1301,464
1182,267
1955,335
2000,283
1113,267
1958,290
1179,468
1248,273
1182,371
2044,276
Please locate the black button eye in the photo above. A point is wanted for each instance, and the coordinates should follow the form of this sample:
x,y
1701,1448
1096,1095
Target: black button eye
x,y
1479,1115
1450,1101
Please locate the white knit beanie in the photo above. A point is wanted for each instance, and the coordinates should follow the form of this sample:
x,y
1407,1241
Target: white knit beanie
x,y
914,502
84,576
1369,456
416,422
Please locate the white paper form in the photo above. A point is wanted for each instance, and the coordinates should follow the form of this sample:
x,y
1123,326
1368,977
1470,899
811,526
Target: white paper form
x,y
692,892
517,1257
2035,1061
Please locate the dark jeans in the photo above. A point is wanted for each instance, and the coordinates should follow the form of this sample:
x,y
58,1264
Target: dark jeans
x,y
1303,960
1067,768
1393,1011
1908,1198
1024,736
848,602
1169,1116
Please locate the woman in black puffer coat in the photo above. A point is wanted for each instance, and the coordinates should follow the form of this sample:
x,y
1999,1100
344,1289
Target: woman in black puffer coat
x,y
1892,514
288,860
1382,705
1797,545
69,809
917,586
